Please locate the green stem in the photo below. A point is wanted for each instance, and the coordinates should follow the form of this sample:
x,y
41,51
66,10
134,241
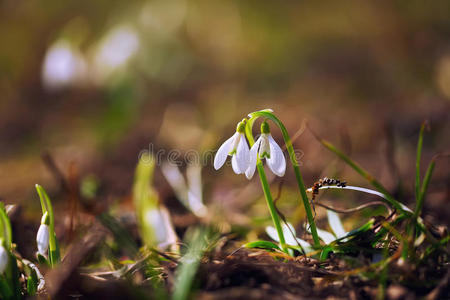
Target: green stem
x,y
293,159
418,156
271,205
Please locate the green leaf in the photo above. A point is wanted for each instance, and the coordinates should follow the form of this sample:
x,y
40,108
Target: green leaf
x,y
46,205
363,173
198,243
418,157
32,283
262,245
5,227
325,251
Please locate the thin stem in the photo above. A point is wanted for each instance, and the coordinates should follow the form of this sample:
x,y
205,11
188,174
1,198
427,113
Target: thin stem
x,y
418,157
424,188
293,159
271,205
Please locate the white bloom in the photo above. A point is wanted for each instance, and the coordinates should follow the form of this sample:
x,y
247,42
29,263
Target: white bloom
x,y
42,239
289,236
4,257
159,220
236,146
266,147
336,225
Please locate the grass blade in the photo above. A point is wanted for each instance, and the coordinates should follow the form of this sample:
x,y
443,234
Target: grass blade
x,y
424,188
418,157
355,166
198,243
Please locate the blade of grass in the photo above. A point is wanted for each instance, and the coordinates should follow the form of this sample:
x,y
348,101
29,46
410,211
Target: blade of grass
x,y
424,188
197,245
121,235
355,166
418,157
46,204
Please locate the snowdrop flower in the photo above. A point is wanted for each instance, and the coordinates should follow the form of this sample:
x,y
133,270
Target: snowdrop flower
x,y
43,236
266,147
236,147
159,220
325,236
4,257
290,237
336,225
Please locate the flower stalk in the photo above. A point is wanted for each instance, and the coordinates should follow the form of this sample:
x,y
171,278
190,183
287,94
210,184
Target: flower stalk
x,y
271,205
269,115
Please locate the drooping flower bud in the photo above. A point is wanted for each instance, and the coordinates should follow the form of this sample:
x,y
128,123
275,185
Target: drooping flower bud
x,y
42,239
4,258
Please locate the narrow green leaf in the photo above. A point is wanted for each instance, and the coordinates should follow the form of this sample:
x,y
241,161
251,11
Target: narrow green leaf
x,y
46,205
424,188
263,245
418,157
185,273
121,235
5,227
363,173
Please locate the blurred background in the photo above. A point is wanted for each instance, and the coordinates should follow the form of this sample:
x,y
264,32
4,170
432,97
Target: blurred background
x,y
86,86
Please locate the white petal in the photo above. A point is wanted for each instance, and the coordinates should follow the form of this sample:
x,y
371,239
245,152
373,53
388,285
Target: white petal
x,y
252,159
336,224
305,245
159,220
222,153
325,236
240,159
264,146
234,165
272,233
4,257
289,236
276,162
42,239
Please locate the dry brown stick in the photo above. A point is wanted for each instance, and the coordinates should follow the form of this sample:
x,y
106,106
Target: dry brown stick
x,y
358,208
49,162
56,278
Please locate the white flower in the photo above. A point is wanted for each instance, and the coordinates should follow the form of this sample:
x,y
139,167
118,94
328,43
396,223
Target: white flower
x,y
236,146
159,220
4,258
266,147
336,225
325,236
42,239
289,236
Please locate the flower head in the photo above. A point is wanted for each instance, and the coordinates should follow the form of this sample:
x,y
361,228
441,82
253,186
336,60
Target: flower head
x,y
4,257
266,147
43,235
236,147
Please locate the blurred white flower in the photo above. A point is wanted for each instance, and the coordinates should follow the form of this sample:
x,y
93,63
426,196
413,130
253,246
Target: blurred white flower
x,y
118,46
290,237
4,258
63,65
159,220
266,147
189,194
325,236
42,239
236,146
